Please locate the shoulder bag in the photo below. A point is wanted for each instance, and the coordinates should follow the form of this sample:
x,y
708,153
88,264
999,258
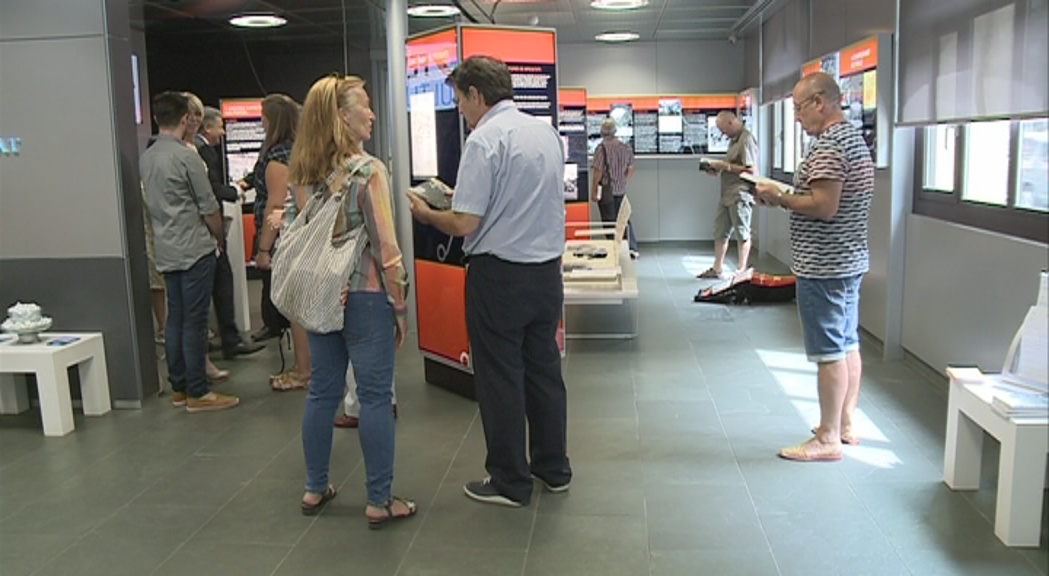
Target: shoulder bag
x,y
313,265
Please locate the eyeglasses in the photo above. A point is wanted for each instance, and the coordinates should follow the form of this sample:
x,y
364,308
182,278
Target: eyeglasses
x,y
799,105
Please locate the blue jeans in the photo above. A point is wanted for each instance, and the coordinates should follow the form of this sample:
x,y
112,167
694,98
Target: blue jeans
x,y
366,340
189,301
830,316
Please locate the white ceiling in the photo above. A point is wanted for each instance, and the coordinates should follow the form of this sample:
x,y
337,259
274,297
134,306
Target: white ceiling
x,y
312,21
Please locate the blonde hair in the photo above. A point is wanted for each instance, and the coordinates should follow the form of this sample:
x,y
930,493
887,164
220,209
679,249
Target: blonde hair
x,y
195,104
323,139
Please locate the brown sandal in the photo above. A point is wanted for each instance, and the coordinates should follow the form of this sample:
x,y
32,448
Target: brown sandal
x,y
377,523
287,381
313,509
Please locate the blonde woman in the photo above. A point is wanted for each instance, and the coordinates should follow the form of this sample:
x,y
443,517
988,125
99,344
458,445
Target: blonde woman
x,y
336,120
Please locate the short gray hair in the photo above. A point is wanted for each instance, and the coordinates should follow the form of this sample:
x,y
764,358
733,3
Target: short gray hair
x,y
608,127
212,116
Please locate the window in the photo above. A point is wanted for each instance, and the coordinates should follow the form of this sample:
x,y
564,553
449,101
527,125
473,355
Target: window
x,y
790,156
777,135
987,163
989,174
1032,181
939,158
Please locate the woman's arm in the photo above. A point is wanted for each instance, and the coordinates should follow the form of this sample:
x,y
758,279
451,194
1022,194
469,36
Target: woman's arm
x,y
277,190
377,207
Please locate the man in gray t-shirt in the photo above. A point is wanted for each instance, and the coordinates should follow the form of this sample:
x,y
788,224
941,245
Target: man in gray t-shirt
x,y
734,210
187,231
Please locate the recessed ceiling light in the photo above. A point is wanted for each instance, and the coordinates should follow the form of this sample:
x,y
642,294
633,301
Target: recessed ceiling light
x,y
617,36
433,11
257,21
617,4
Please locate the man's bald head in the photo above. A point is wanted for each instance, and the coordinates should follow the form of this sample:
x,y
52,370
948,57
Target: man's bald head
x,y
819,83
817,102
728,123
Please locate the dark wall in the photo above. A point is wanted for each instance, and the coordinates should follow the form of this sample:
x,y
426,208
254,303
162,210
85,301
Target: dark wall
x,y
218,70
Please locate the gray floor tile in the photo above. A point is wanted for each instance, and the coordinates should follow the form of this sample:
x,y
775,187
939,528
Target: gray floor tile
x,y
22,554
686,517
264,512
454,521
109,555
599,489
755,562
454,561
583,545
962,562
201,556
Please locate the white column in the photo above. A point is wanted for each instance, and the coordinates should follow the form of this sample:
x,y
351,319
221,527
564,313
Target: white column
x,y
397,137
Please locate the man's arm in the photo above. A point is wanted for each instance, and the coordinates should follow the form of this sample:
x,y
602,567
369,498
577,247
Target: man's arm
x,y
208,207
449,222
223,191
214,223
821,203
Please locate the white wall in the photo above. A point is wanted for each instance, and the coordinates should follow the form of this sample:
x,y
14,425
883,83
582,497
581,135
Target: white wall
x,y
966,292
670,198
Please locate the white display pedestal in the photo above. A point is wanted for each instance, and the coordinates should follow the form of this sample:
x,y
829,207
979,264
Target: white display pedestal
x,y
1021,469
235,251
50,365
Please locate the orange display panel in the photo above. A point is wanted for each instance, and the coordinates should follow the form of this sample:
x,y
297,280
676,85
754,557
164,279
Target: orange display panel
x,y
810,68
437,49
249,237
508,45
571,97
577,217
441,308
246,108
859,57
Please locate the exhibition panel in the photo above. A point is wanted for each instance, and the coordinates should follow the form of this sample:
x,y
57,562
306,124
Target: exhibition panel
x,y
863,71
436,136
669,125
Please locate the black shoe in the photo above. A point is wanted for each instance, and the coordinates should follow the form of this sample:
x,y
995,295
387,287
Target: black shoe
x,y
265,334
242,349
483,491
555,488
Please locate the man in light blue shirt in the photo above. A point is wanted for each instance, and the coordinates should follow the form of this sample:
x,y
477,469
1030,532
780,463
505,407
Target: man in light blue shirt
x,y
509,205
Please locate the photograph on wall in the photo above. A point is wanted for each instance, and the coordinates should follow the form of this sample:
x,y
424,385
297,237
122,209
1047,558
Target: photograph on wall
x,y
694,140
571,182
623,114
646,135
717,141
593,130
422,123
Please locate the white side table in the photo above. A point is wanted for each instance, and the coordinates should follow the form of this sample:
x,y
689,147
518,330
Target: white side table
x,y
50,364
1021,467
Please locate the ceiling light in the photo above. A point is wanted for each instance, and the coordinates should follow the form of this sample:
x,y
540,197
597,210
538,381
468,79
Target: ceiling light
x,y
257,21
617,4
433,11
617,36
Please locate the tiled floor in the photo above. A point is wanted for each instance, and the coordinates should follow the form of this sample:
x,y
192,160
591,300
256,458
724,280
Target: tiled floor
x,y
672,438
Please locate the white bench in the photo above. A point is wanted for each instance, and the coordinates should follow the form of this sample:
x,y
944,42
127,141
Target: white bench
x,y
50,364
1021,467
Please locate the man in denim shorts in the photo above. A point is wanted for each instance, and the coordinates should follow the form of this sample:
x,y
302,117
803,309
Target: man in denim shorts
x,y
828,234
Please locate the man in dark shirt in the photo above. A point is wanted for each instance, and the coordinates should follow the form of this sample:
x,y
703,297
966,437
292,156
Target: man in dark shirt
x,y
209,136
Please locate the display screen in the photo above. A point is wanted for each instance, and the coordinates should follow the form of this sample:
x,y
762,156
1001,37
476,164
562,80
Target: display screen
x,y
243,140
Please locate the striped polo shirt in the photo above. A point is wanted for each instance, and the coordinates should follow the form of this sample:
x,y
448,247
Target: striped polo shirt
x,y
619,157
834,248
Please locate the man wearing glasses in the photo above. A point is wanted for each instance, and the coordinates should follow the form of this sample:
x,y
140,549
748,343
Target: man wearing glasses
x,y
828,236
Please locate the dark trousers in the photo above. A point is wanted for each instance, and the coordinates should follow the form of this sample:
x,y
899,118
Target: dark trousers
x,y
271,317
222,296
512,314
187,330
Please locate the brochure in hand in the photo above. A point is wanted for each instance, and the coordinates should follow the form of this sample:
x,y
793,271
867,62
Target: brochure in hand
x,y
783,187
435,193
